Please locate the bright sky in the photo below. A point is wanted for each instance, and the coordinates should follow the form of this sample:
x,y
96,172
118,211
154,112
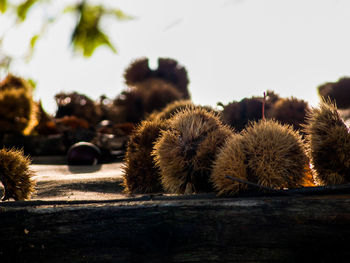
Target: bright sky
x,y
231,48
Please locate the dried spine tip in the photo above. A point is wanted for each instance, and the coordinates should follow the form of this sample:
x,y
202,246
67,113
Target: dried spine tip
x,y
139,172
275,155
230,162
185,152
15,174
328,144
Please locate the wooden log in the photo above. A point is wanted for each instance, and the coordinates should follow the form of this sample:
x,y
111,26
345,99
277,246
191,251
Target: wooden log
x,y
198,228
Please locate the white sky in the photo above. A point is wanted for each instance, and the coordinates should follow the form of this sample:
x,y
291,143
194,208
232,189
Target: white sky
x,y
231,48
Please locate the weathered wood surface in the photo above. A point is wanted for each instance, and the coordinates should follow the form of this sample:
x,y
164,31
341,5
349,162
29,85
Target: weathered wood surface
x,y
63,182
198,228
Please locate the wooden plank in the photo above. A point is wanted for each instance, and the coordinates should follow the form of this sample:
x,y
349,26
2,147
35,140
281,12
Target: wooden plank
x,y
198,228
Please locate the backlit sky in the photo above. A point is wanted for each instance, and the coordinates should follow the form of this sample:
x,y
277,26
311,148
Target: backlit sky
x,y
230,48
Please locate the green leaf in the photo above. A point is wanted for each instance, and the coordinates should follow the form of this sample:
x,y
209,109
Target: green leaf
x,y
90,39
32,44
87,35
33,41
23,9
3,6
119,14
32,83
70,8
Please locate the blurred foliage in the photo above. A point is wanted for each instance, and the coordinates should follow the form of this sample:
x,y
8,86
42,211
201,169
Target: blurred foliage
x,y
87,34
23,9
5,62
3,6
32,83
33,41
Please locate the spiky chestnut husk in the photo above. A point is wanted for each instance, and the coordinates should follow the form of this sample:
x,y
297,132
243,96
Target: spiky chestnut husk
x,y
129,106
158,94
230,161
145,97
174,107
328,144
15,174
271,97
186,151
16,110
290,111
239,114
12,81
79,105
275,155
137,71
170,109
338,91
140,175
46,124
170,70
